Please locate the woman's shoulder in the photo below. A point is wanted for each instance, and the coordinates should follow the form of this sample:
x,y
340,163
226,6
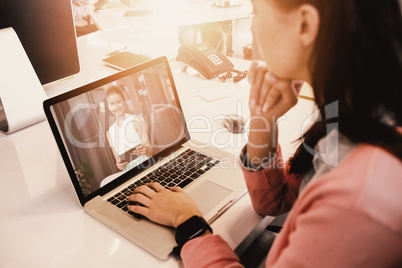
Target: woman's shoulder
x,y
133,117
381,193
368,181
373,162
368,164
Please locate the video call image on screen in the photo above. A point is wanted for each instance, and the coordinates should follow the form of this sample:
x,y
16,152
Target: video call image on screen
x,y
118,126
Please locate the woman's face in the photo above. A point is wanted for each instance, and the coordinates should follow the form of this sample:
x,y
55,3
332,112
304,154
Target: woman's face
x,y
115,103
276,31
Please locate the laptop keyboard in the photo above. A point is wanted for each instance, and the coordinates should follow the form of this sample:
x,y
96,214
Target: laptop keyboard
x,y
179,171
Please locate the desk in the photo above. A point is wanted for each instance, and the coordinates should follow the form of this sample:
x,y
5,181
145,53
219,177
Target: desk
x,y
165,23
41,221
114,20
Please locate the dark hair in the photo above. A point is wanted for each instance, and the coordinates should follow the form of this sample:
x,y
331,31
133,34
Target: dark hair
x,y
114,90
357,61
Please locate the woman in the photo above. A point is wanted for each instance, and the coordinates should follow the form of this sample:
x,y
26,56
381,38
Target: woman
x,y
128,136
341,215
82,10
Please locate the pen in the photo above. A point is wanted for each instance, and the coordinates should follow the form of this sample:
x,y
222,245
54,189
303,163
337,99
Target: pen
x,y
116,51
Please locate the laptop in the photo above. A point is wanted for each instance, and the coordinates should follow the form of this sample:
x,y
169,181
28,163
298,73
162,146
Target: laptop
x,y
82,122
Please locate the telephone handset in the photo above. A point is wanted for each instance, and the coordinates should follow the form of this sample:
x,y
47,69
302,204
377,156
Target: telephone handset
x,y
205,59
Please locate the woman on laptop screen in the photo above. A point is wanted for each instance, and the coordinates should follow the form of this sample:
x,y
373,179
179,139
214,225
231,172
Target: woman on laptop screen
x,y
128,135
343,186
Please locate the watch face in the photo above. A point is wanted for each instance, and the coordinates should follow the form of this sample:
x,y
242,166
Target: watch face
x,y
192,228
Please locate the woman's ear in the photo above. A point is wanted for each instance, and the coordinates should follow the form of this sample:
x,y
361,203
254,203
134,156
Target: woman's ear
x,y
309,24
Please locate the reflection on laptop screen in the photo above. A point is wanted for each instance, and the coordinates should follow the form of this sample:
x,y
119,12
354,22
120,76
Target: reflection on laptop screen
x,y
112,128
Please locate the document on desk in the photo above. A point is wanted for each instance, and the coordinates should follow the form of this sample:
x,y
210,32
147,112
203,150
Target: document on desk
x,y
213,95
124,60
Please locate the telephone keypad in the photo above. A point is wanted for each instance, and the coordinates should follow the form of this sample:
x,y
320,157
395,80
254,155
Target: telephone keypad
x,y
216,60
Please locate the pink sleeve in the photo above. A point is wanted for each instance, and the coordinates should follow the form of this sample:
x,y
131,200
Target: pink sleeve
x,y
209,251
272,190
331,236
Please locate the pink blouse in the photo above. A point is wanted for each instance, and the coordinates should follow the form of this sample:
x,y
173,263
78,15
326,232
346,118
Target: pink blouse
x,y
349,217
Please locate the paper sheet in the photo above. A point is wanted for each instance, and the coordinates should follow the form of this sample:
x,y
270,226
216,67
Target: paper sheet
x,y
210,96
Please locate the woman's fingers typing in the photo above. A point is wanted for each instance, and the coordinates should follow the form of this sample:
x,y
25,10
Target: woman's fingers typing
x,y
140,198
145,190
156,186
165,206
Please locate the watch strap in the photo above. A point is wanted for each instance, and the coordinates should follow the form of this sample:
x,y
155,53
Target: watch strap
x,y
192,228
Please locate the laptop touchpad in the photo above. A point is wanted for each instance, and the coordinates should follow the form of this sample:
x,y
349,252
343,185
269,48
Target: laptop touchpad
x,y
208,195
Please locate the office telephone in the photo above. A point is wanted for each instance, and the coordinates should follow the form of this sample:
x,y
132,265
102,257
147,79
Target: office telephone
x,y
205,59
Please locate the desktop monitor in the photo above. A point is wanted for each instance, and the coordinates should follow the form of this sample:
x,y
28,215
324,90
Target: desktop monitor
x,y
47,33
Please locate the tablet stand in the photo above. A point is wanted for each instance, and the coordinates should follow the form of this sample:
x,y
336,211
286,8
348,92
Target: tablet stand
x,y
21,93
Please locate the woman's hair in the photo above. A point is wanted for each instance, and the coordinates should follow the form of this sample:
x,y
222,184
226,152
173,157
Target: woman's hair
x,y
356,62
114,90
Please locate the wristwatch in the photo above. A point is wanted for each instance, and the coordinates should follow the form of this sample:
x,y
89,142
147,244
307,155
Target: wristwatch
x,y
192,228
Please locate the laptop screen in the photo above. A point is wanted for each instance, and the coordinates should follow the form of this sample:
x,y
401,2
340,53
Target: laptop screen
x,y
116,124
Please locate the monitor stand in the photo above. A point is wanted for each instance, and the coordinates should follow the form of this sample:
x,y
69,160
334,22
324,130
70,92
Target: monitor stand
x,y
21,93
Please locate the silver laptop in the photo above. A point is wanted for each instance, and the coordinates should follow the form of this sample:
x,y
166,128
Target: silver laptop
x,y
84,125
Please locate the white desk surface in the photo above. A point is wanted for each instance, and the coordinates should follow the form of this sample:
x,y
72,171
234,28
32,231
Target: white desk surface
x,y
170,15
42,223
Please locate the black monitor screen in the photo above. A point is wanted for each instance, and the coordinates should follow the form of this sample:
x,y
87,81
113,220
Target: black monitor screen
x,y
46,31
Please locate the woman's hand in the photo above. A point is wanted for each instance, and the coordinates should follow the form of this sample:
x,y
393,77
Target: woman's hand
x,y
170,207
121,165
270,96
139,150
